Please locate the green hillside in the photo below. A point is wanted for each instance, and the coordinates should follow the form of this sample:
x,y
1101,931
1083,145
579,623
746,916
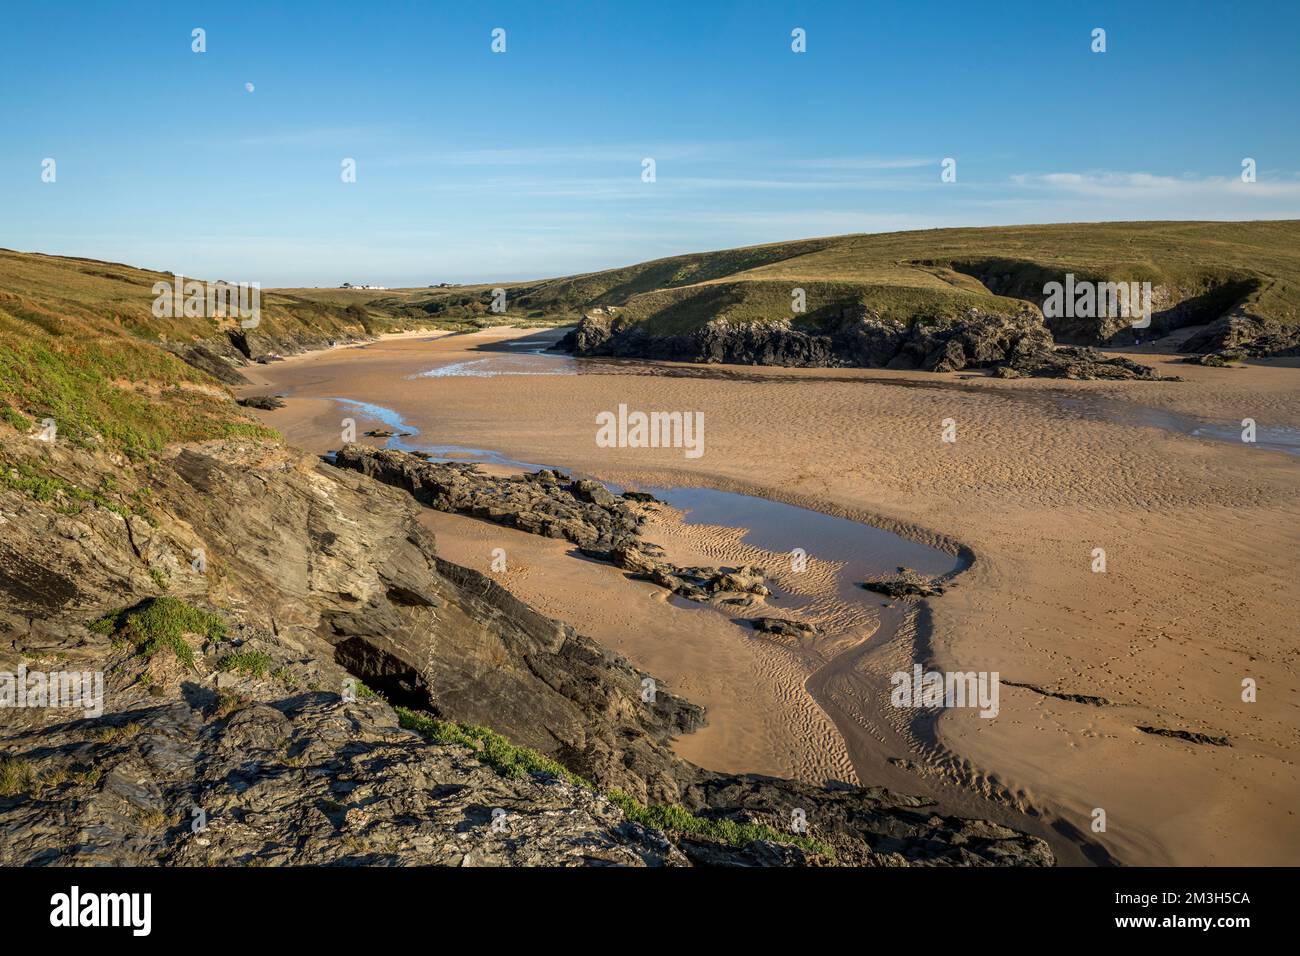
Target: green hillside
x,y
78,336
929,272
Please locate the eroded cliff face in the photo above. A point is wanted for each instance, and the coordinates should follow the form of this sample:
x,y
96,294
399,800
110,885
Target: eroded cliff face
x,y
1192,299
310,576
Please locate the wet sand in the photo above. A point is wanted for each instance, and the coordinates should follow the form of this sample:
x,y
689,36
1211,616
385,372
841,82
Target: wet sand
x,y
1199,591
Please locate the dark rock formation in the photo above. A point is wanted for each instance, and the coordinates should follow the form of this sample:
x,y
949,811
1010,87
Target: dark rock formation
x,y
1241,336
783,627
602,524
857,338
1089,699
223,356
1174,304
266,403
321,574
545,502
1191,736
906,583
1074,362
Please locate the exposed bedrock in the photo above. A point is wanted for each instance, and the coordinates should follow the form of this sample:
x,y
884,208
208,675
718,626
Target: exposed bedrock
x,y
319,573
1018,343
1241,336
547,503
1192,300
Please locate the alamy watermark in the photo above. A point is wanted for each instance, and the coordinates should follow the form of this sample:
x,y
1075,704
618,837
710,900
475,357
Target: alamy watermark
x,y
209,300
75,908
626,429
923,688
1085,299
70,690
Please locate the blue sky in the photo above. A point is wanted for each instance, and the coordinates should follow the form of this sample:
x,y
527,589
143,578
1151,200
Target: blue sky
x,y
477,166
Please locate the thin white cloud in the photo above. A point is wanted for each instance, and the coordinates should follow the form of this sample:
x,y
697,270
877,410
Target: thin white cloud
x,y
632,153
1138,186
851,162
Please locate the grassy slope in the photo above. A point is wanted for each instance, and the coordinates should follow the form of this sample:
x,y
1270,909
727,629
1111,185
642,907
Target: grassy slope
x,y
72,348
904,274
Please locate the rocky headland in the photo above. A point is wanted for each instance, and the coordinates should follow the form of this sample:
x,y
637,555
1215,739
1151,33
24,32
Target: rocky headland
x,y
1010,345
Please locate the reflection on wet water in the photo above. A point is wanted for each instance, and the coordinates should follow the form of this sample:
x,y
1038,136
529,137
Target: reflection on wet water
x,y
393,421
862,550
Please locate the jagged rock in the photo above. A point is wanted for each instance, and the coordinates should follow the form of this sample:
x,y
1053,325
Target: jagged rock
x,y
782,626
602,524
1223,359
1191,736
593,492
906,583
858,337
1244,336
747,579
633,560
1079,363
541,503
264,402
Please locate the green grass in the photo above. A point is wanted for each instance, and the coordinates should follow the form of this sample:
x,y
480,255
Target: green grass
x,y
252,663
490,747
162,622
28,479
15,419
76,346
513,761
674,818
16,776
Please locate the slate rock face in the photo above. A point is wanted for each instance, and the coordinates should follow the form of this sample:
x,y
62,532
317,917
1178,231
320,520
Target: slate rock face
x,y
322,575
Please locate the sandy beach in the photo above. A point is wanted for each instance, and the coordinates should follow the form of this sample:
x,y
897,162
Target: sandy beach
x,y
1198,593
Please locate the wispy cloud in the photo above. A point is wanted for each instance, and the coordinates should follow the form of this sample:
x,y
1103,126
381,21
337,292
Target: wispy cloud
x,y
1140,186
852,162
573,154
321,136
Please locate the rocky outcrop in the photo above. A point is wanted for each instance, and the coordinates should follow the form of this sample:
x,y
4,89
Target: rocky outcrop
x,y
545,502
906,583
1235,337
782,627
548,503
262,774
267,403
1191,736
225,356
1174,304
1075,362
318,576
857,338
